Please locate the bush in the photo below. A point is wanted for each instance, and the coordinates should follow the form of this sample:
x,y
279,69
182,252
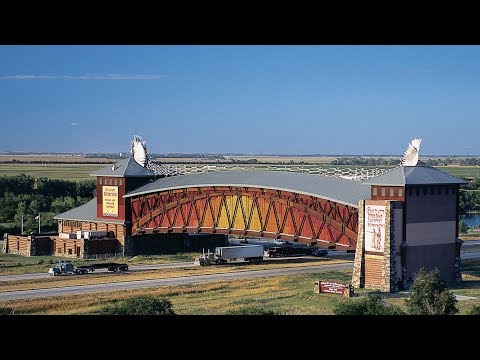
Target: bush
x,y
139,305
40,262
6,311
475,310
430,296
251,310
373,304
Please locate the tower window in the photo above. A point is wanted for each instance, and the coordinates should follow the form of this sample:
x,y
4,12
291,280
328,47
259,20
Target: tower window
x,y
383,191
391,191
400,192
100,180
374,191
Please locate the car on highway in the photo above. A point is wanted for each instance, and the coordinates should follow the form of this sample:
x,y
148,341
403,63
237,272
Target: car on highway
x,y
320,252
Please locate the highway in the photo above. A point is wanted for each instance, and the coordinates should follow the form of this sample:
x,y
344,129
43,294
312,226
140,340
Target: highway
x,y
183,280
130,268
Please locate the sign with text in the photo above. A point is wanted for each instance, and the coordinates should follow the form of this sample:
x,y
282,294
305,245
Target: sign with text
x,y
374,228
332,287
110,201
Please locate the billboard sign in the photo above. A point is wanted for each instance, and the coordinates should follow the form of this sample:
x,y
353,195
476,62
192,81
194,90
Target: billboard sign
x,y
110,201
374,228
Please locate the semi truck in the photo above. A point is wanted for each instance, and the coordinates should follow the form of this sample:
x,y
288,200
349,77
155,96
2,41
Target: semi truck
x,y
65,267
222,255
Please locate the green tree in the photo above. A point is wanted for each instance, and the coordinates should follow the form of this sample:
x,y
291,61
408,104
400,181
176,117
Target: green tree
x,y
62,204
140,305
6,311
252,310
373,304
430,296
475,310
463,227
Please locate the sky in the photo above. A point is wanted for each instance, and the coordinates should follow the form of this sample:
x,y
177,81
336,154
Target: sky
x,y
241,99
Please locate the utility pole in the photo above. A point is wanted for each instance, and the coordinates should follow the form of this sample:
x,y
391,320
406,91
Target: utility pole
x,y
38,223
22,225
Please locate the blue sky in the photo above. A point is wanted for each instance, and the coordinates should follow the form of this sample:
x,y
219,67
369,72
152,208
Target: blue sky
x,y
242,99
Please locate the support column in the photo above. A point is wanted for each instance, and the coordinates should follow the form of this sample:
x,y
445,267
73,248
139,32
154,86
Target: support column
x,y
128,246
379,225
358,275
5,243
458,262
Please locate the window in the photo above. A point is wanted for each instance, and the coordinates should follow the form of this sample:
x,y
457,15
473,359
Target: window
x,y
400,192
424,191
374,191
432,190
439,190
120,182
69,251
116,181
383,191
417,191
111,181
391,191
100,181
446,190
410,192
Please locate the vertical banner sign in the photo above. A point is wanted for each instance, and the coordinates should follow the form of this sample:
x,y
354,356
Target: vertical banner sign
x,y
374,228
110,201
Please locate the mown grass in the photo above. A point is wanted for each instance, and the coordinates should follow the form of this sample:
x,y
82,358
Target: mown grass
x,y
288,294
292,294
101,278
82,171
52,171
461,171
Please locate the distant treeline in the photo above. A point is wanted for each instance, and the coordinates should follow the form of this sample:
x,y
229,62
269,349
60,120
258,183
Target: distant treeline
x,y
371,161
470,197
23,194
15,161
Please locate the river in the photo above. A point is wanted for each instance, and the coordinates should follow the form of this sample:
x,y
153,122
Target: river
x,y
471,219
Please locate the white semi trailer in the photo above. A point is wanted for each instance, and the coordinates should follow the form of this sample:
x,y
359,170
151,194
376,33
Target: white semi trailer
x,y
222,255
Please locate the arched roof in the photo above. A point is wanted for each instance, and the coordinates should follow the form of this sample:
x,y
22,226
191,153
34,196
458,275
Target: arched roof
x,y
340,190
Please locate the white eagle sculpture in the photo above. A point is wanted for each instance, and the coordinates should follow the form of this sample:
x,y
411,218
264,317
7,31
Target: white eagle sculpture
x,y
139,150
410,157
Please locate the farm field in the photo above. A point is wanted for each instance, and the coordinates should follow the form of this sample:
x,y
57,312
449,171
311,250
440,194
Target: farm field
x,y
82,171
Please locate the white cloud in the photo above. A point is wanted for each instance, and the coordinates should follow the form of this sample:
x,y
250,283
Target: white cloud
x,y
75,124
83,77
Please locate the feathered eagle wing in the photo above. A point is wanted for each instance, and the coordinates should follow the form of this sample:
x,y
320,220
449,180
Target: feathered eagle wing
x,y
410,157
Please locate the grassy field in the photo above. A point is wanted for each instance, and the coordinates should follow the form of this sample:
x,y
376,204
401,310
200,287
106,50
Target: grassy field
x,y
52,171
461,171
289,295
82,171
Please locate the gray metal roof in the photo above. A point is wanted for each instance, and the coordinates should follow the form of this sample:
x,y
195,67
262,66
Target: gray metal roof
x,y
340,190
414,175
124,168
85,212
